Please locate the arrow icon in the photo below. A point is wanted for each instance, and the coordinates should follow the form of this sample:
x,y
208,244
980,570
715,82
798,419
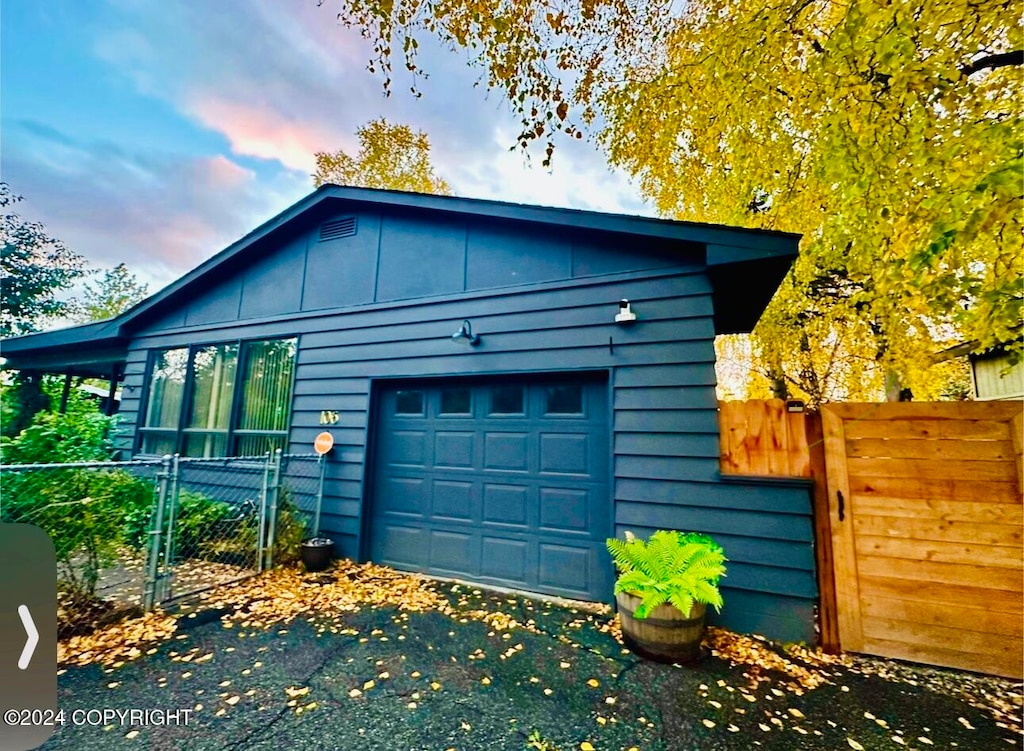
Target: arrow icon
x,y
33,637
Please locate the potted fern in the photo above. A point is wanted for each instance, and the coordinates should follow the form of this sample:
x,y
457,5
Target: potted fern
x,y
664,587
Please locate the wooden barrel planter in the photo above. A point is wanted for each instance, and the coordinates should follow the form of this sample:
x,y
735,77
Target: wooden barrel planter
x,y
666,634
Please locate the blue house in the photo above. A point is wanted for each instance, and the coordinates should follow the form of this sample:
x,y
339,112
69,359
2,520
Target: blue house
x,y
497,405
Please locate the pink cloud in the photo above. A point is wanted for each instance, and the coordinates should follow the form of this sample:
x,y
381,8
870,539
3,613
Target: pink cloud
x,y
266,133
221,172
160,214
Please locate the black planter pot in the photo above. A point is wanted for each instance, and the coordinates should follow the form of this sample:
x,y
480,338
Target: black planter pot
x,y
316,553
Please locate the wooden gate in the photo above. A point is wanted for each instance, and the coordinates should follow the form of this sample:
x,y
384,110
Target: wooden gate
x,y
926,524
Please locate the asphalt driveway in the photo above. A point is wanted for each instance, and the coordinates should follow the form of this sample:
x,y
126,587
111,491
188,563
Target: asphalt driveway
x,y
495,671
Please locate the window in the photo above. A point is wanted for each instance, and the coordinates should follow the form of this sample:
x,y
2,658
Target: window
x,y
211,394
219,399
163,407
266,397
507,400
456,401
564,400
409,403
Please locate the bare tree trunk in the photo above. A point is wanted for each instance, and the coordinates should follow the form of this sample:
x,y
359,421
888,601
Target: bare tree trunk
x,y
777,383
893,386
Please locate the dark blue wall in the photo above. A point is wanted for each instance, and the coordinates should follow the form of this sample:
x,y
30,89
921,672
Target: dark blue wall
x,y
384,303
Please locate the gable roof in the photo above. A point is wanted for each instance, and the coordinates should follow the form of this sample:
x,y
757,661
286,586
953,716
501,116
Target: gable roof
x,y
745,265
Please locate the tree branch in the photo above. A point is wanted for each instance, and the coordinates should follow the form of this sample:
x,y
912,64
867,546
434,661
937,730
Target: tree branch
x,y
1002,60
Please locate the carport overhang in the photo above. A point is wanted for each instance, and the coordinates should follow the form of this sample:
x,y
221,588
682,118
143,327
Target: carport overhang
x,y
93,350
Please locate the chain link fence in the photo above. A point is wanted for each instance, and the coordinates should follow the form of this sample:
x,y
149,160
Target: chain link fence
x,y
98,516
130,535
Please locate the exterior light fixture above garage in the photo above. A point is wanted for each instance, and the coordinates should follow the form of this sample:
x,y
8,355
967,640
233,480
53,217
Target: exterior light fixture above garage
x,y
465,335
625,314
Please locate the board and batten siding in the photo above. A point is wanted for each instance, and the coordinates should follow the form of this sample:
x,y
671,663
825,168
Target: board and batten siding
x,y
541,302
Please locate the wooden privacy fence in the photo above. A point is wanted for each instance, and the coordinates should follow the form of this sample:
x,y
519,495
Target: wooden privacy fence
x,y
920,505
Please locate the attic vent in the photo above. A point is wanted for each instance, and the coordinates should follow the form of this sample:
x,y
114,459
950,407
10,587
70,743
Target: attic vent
x,y
338,228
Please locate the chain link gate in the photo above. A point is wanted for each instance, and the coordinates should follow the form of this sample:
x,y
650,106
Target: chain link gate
x,y
218,521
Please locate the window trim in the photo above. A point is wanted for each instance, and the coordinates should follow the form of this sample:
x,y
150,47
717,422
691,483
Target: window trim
x,y
181,432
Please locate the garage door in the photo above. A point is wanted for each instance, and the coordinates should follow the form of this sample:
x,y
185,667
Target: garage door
x,y
502,483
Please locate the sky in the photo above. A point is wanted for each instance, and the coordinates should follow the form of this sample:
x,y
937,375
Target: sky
x,y
157,133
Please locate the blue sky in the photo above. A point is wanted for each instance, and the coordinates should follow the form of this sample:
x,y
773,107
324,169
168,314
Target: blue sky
x,y
155,133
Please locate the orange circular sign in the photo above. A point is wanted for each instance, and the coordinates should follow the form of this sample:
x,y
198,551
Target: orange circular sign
x,y
323,443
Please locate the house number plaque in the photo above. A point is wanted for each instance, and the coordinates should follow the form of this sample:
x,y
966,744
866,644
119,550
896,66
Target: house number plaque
x,y
328,417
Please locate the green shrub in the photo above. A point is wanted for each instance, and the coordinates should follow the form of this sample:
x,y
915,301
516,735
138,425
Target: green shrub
x,y
214,530
290,531
84,512
80,436
675,567
199,519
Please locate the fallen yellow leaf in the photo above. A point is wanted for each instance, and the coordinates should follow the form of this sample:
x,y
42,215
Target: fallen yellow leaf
x,y
854,745
586,746
593,683
708,723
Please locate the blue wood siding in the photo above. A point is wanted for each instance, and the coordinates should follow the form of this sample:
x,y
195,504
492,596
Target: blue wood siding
x,y
383,305
402,256
273,284
404,246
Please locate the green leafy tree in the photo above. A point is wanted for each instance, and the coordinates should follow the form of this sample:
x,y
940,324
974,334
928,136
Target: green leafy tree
x,y
23,398
390,156
888,134
116,290
34,268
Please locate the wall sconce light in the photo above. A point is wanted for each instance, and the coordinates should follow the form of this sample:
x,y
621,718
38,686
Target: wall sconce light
x,y
794,405
625,314
465,335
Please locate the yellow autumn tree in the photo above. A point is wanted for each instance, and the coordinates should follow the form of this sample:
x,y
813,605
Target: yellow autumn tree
x,y
390,156
887,133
